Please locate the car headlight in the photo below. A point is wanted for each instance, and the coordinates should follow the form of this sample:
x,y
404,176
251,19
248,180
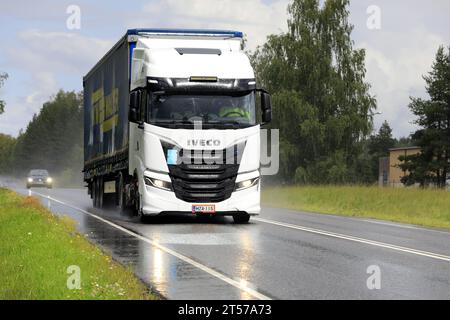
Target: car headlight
x,y
49,180
246,184
160,184
30,180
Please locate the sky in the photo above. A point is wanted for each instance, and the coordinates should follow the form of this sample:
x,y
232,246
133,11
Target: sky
x,y
44,49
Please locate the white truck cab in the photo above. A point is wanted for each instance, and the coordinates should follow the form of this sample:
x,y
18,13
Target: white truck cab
x,y
194,129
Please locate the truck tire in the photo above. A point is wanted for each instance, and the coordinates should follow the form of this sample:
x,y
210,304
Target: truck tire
x,y
136,197
241,218
121,199
137,205
100,193
97,193
94,193
145,219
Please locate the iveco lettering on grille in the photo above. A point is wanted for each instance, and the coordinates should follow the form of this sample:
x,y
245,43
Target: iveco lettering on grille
x,y
203,143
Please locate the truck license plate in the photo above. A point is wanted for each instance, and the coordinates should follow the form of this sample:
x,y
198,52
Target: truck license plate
x,y
203,208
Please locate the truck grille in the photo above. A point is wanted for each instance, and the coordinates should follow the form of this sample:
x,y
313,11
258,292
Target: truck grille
x,y
206,176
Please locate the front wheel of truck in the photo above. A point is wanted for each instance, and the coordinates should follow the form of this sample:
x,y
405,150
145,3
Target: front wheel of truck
x,y
241,218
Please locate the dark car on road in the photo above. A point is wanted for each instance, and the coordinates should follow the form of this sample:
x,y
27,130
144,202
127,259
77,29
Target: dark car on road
x,y
39,178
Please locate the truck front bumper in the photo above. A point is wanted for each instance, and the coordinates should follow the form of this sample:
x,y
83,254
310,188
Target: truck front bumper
x,y
156,201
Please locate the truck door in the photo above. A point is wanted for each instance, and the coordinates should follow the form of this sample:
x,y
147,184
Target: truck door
x,y
138,105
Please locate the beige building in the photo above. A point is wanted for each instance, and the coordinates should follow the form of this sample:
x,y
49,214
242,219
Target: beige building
x,y
389,172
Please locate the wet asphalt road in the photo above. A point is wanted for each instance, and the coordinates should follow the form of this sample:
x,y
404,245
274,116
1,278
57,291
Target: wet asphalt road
x,y
281,254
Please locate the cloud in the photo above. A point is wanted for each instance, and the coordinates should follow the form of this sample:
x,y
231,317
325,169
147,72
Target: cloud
x,y
256,18
57,52
19,111
396,75
44,82
26,10
47,57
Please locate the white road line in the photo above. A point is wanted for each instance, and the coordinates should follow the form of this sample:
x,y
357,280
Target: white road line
x,y
361,219
397,225
356,239
180,256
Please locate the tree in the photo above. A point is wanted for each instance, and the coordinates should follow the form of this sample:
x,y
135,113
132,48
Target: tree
x,y
6,148
378,146
52,136
433,117
321,103
3,77
405,142
383,141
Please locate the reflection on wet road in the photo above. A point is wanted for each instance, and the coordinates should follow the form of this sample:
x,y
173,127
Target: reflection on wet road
x,y
188,258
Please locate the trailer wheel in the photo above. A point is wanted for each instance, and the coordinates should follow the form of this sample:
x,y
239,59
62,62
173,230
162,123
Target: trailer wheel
x,y
97,191
100,192
94,192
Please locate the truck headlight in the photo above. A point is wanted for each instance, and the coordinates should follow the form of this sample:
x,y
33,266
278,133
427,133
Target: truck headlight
x,y
30,180
246,184
160,184
49,180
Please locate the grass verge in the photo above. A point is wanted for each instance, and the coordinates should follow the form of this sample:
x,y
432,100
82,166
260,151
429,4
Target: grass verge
x,y
37,248
429,207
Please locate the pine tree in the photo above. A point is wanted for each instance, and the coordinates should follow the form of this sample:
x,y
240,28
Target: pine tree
x,y
379,146
383,141
433,117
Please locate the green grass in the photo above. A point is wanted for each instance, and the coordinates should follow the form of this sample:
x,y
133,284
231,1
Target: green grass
x,y
36,248
425,207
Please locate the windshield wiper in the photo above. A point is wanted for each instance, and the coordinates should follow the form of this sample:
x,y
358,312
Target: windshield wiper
x,y
232,123
173,121
229,123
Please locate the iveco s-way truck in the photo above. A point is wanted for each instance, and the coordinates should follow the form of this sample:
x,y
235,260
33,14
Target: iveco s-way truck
x,y
172,125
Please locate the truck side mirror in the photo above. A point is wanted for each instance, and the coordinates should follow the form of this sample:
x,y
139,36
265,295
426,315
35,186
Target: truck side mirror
x,y
267,116
133,115
266,107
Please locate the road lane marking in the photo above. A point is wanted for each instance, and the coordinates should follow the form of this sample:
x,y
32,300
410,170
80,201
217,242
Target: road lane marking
x,y
356,239
397,225
359,220
237,284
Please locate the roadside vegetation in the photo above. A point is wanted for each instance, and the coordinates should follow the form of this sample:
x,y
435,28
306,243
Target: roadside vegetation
x,y
425,207
52,140
37,248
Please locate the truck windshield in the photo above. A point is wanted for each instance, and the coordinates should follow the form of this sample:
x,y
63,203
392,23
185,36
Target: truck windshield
x,y
211,110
